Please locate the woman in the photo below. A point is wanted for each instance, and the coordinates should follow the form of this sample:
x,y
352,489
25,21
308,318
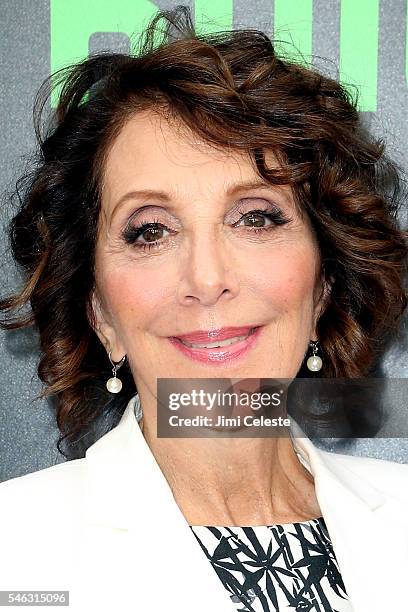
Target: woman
x,y
205,190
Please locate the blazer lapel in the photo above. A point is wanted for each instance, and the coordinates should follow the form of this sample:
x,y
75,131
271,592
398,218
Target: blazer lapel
x,y
128,491
368,528
161,560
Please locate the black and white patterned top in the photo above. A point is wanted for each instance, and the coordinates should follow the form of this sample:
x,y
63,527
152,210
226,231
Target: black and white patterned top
x,y
276,567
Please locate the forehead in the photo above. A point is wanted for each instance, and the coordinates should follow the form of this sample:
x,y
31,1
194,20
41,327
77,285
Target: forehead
x,y
154,150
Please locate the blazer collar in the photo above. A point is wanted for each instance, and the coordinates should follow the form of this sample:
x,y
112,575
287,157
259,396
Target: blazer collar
x,y
127,490
321,464
122,457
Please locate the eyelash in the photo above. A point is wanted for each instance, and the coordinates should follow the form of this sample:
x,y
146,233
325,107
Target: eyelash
x,y
131,234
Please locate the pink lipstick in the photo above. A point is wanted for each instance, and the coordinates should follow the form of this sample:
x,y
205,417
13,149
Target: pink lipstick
x,y
217,346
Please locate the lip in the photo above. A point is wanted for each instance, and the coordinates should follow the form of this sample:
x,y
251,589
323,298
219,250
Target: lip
x,y
211,335
224,354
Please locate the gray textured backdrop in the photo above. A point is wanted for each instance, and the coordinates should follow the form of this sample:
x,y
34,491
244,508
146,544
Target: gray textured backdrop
x,y
27,430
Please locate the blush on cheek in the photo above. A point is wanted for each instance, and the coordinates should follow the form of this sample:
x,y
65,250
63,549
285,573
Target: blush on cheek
x,y
136,298
286,279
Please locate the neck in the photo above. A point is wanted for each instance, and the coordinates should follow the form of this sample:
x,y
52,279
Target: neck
x,y
234,481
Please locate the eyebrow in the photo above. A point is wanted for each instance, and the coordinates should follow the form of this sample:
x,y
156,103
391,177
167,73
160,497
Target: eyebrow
x,y
163,196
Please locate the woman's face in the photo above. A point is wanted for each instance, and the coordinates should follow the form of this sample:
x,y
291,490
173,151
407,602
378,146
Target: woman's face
x,y
206,264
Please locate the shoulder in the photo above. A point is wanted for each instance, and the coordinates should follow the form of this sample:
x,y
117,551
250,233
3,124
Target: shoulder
x,y
390,477
45,495
367,465
41,526
63,475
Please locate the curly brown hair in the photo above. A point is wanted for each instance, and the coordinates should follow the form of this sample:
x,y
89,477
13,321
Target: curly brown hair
x,y
234,90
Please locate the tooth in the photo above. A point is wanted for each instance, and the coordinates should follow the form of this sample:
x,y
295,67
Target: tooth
x,y
218,344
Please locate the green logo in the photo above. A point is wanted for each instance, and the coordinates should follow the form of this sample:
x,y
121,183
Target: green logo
x,y
74,22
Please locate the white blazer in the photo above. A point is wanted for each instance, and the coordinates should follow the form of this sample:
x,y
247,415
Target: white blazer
x,y
107,529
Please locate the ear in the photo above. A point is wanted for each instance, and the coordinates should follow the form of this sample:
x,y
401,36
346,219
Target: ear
x,y
102,323
323,297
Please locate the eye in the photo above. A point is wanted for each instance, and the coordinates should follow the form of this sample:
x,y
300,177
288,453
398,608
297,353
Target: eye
x,y
257,218
151,233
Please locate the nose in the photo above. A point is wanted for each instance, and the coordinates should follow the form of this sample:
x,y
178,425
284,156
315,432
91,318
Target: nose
x,y
207,271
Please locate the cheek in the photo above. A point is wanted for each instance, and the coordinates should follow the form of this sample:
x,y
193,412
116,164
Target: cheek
x,y
285,277
135,295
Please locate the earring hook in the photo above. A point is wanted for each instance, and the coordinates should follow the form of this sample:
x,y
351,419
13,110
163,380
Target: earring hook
x,y
114,385
118,364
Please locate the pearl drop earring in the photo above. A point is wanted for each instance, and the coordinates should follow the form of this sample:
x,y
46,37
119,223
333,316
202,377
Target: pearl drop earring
x,y
314,362
114,384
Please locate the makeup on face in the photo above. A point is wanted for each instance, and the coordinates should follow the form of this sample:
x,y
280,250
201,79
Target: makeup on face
x,y
203,265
